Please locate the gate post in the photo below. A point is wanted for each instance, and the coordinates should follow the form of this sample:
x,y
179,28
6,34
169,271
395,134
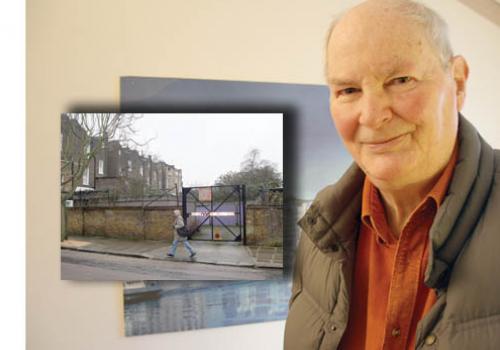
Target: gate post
x,y
185,191
244,207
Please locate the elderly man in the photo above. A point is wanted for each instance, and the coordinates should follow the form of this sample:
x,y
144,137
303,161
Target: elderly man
x,y
402,252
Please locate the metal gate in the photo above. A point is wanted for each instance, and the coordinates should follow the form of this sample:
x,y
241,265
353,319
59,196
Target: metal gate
x,y
215,213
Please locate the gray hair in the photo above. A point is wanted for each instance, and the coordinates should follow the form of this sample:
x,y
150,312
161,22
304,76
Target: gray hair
x,y
177,212
435,28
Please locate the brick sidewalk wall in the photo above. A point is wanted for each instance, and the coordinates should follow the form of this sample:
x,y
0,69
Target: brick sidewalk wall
x,y
122,222
264,223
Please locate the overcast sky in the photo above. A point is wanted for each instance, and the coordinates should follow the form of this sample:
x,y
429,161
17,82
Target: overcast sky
x,y
205,146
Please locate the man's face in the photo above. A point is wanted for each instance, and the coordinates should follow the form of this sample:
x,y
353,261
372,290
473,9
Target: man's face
x,y
393,103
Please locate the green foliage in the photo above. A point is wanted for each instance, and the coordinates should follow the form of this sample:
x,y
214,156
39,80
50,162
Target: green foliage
x,y
255,173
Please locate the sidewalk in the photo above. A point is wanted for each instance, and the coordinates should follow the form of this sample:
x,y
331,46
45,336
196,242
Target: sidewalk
x,y
207,252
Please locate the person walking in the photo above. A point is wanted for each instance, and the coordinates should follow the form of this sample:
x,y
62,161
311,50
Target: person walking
x,y
179,223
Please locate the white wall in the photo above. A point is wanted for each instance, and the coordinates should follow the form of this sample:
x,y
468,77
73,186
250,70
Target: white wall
x,y
77,50
477,39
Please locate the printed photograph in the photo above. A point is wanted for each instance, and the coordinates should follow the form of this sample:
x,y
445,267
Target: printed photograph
x,y
186,196
169,306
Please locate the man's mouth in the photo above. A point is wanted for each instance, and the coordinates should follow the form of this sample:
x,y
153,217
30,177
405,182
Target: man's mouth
x,y
387,143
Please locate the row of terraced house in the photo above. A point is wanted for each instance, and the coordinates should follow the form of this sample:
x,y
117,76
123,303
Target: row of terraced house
x,y
112,167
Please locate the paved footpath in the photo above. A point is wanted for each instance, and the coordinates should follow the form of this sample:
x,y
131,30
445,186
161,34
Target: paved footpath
x,y
85,266
207,252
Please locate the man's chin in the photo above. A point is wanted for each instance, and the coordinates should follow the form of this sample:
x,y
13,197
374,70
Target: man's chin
x,y
387,174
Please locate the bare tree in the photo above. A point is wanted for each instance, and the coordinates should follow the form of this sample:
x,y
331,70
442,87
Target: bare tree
x,y
83,136
253,161
255,173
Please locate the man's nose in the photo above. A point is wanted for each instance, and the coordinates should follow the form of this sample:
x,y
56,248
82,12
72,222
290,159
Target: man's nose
x,y
375,109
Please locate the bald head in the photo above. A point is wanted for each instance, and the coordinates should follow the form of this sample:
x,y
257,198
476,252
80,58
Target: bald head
x,y
396,17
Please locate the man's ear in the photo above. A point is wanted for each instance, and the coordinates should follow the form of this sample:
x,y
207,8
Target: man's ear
x,y
460,72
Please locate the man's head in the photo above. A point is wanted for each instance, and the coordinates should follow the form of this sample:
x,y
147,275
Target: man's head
x,y
395,90
177,212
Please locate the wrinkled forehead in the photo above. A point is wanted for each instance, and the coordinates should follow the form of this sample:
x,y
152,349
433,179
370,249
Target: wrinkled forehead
x,y
384,43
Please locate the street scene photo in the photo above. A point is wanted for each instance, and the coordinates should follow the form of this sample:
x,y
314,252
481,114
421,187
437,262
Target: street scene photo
x,y
171,196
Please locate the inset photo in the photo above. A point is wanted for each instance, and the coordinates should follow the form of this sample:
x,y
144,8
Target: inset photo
x,y
171,196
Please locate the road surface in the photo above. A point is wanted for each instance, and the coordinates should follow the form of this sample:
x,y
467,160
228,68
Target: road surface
x,y
76,265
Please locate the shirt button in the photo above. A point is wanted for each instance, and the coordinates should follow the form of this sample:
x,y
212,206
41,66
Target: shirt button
x,y
333,328
396,332
430,339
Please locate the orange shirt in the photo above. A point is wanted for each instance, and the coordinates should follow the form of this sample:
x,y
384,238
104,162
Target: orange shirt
x,y
389,296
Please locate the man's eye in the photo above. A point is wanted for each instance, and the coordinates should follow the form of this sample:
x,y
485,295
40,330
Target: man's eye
x,y
401,80
347,91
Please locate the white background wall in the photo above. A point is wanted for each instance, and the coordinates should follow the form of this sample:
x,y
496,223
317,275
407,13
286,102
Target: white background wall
x,y
76,52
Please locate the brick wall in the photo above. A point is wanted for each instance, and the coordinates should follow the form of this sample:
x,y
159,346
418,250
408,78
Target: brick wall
x,y
122,222
264,223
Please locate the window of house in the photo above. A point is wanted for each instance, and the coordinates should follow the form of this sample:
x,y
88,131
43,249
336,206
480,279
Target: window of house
x,y
129,166
101,166
141,170
86,177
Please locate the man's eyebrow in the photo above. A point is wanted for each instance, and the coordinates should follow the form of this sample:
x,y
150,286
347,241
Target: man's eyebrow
x,y
394,70
340,81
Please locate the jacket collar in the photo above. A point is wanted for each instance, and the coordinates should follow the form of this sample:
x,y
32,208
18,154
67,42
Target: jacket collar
x,y
332,221
462,207
335,211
